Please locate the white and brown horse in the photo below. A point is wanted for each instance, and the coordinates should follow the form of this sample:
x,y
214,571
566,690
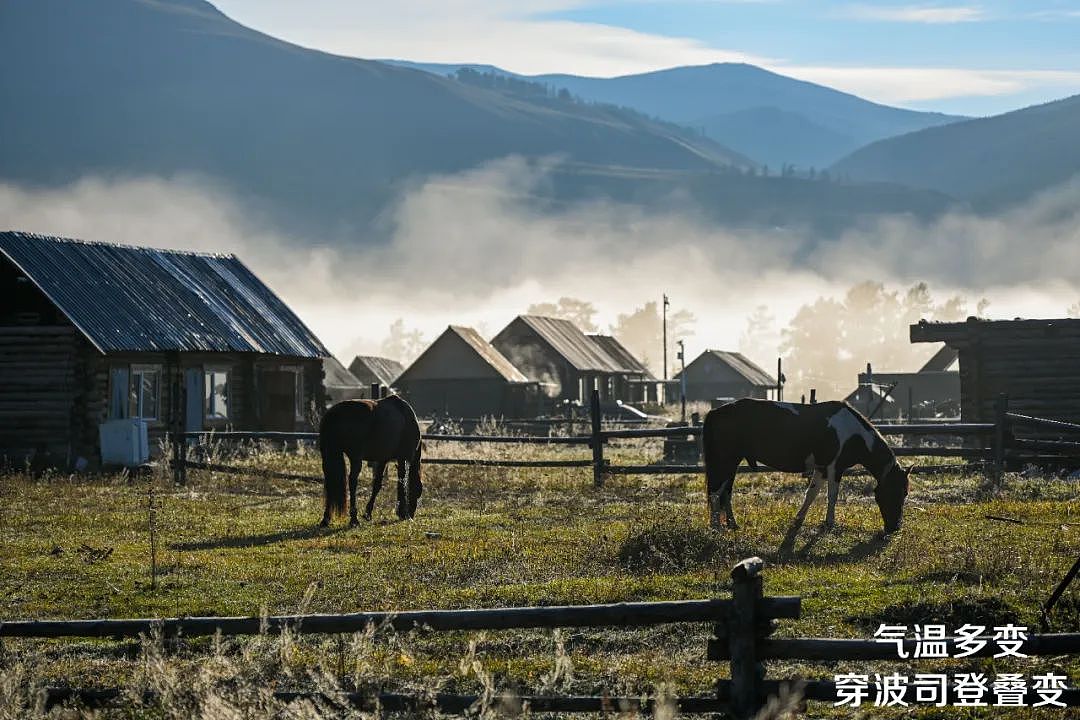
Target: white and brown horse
x,y
822,440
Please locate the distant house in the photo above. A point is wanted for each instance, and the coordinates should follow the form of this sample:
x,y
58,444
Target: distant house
x,y
721,374
91,332
462,375
634,383
340,384
371,370
1034,362
933,391
559,356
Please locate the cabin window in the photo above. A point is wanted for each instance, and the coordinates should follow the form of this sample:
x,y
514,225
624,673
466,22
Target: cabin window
x,y
298,393
216,394
144,392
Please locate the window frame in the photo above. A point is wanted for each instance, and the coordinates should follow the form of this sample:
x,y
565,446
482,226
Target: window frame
x,y
208,372
135,395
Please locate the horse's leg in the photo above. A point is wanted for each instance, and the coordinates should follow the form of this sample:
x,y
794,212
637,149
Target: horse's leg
x,y
355,466
376,486
720,481
834,491
402,490
811,494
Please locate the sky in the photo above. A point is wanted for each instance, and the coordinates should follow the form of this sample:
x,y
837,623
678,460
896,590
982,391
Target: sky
x,y
975,58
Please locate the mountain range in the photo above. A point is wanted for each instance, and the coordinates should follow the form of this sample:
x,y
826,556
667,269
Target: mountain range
x,y
326,145
772,119
990,162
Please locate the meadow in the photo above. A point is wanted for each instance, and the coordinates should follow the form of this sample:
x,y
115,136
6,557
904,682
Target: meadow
x,y
79,547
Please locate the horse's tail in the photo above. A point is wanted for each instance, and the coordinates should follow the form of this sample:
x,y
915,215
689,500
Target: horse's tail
x,y
333,467
711,439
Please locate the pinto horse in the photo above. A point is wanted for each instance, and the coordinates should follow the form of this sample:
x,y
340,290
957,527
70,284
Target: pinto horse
x,y
822,440
377,431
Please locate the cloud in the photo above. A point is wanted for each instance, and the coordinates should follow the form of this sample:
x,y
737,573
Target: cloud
x,y
477,248
518,36
932,15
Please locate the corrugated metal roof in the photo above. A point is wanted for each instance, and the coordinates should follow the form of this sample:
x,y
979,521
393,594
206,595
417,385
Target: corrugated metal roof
x,y
491,356
623,357
740,364
372,368
573,345
125,298
335,375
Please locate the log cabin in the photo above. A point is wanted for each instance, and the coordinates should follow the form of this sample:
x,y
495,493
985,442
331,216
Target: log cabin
x,y
92,331
1034,362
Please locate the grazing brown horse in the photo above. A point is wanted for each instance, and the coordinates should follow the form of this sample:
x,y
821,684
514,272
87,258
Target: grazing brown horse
x,y
377,431
822,440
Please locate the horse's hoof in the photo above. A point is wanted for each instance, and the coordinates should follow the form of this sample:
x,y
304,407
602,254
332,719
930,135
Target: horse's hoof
x,y
325,522
367,516
354,522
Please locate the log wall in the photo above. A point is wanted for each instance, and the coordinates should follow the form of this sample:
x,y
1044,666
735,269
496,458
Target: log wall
x,y
38,370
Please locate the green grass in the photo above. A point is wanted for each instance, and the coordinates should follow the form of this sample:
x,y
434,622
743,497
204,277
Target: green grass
x,y
79,548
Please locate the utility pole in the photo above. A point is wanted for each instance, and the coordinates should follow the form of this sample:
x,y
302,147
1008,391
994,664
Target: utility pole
x,y
682,379
666,303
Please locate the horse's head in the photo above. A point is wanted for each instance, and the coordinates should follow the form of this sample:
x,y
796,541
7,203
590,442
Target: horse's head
x,y
890,493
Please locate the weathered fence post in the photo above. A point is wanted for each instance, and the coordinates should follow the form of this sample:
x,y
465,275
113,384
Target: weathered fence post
x,y
744,629
1001,434
597,441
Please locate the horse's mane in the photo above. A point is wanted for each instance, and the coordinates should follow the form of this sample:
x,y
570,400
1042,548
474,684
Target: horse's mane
x,y
865,422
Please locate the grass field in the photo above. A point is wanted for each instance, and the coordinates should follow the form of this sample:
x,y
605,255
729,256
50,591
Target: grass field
x,y
79,547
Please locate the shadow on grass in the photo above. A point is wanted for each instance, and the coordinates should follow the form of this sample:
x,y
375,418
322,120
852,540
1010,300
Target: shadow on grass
x,y
245,541
856,554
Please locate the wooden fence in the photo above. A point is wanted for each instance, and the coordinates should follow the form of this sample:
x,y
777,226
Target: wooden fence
x,y
990,447
742,626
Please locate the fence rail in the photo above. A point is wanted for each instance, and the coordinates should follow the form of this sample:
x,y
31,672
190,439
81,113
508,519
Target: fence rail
x,y
1001,450
742,625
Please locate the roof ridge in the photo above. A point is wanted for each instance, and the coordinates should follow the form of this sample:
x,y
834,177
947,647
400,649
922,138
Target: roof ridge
x,y
122,246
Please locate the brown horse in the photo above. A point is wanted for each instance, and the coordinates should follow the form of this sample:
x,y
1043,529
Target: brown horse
x,y
377,431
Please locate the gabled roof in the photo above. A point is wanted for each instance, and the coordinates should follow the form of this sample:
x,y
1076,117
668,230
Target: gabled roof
x,y
461,353
491,356
740,364
336,376
569,342
622,357
371,368
145,299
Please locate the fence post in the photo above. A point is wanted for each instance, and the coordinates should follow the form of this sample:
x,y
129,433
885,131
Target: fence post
x,y
597,441
1001,420
747,673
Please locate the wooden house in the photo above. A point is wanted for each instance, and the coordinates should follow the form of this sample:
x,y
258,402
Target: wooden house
x,y
91,332
933,391
635,383
340,384
555,353
1034,362
462,375
720,374
373,370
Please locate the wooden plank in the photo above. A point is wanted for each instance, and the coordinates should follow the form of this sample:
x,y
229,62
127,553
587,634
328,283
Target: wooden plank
x,y
634,614
809,649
